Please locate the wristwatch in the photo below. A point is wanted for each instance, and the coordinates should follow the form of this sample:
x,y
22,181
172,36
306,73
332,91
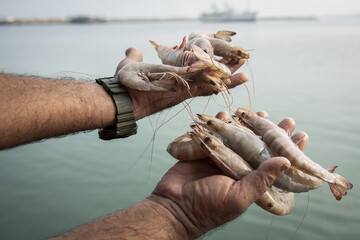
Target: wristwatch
x,y
125,120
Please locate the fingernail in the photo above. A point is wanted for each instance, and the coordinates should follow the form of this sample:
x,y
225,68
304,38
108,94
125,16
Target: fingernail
x,y
284,167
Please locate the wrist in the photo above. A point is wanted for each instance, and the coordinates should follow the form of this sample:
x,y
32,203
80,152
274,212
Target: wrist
x,y
169,227
188,230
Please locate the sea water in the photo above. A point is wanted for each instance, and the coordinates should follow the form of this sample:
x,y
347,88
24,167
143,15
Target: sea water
x,y
307,70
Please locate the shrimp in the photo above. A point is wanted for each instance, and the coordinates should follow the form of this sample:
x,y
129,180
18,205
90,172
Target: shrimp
x,y
202,43
176,56
220,41
278,203
280,143
249,146
196,60
184,148
153,77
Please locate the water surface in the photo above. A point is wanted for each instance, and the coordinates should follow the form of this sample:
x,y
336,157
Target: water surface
x,y
305,70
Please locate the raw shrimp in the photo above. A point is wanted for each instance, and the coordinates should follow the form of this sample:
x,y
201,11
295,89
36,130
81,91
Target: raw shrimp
x,y
184,148
153,77
195,57
280,143
250,147
278,203
175,56
196,60
202,43
220,41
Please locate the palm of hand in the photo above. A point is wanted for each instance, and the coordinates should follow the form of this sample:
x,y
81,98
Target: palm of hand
x,y
208,198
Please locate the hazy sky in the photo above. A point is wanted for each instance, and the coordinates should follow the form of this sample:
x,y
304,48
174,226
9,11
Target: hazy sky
x,y
167,8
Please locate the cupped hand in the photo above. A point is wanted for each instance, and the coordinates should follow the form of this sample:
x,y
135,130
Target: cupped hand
x,y
202,198
146,103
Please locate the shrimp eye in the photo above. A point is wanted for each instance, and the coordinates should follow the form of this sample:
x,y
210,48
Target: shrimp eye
x,y
205,50
212,83
209,122
239,52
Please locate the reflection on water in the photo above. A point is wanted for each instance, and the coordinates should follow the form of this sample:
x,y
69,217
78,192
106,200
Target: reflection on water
x,y
306,70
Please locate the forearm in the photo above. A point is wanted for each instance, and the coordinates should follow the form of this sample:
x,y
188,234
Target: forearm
x,y
33,108
144,220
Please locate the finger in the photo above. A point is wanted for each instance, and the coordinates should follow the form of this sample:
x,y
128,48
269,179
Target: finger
x,y
236,80
225,60
132,55
301,139
223,116
288,124
235,64
263,114
255,184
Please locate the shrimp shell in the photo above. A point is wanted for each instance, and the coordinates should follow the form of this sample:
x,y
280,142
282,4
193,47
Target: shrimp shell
x,y
175,56
279,142
196,60
153,77
220,41
249,146
184,148
275,202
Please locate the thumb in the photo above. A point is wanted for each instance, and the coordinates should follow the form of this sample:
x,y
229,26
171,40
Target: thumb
x,y
256,183
132,55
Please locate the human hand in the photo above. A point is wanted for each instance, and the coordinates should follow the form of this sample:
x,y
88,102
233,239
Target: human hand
x,y
202,198
146,103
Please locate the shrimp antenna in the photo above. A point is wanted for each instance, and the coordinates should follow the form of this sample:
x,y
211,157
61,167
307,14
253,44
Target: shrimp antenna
x,y
143,152
188,109
207,104
302,220
222,106
248,93
227,101
153,137
252,77
271,223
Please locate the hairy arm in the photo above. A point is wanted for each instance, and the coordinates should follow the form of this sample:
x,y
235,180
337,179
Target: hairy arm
x,y
34,108
144,220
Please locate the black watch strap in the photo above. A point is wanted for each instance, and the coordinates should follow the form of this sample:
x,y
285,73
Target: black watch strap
x,y
125,123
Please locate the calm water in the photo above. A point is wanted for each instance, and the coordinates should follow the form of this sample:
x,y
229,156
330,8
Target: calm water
x,y
306,70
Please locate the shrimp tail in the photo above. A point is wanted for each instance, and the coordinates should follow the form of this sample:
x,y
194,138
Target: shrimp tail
x,y
332,169
338,190
154,43
224,35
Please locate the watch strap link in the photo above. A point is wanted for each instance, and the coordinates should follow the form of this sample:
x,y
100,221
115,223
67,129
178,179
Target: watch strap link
x,y
125,120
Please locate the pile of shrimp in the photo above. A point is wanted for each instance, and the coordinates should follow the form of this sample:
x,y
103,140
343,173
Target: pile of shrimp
x,y
193,60
237,149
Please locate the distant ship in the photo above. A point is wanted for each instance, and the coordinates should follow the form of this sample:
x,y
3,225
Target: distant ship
x,y
228,15
85,20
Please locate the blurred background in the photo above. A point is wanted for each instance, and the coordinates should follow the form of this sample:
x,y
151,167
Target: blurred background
x,y
305,66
